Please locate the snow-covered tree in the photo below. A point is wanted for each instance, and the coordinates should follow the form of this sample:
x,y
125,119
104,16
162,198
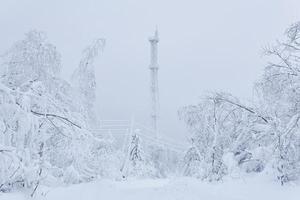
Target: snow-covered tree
x,y
279,98
84,81
219,124
138,162
266,133
44,136
30,60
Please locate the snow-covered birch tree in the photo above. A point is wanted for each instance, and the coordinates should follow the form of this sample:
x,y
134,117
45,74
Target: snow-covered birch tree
x,y
43,137
84,81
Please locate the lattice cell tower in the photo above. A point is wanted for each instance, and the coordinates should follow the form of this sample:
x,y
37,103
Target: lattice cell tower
x,y
154,83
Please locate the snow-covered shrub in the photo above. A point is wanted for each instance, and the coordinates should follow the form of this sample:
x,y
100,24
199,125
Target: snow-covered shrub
x,y
11,168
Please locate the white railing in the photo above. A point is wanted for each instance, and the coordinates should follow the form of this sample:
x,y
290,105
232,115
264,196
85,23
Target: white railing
x,y
122,130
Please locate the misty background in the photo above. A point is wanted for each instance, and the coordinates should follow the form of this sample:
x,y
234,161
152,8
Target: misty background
x,y
204,45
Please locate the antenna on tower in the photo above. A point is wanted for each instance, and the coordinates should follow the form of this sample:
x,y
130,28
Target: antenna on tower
x,y
154,82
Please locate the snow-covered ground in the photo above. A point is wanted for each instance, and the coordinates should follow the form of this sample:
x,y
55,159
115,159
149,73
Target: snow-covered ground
x,y
168,189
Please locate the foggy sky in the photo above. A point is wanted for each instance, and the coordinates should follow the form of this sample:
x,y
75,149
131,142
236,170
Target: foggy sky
x,y
204,45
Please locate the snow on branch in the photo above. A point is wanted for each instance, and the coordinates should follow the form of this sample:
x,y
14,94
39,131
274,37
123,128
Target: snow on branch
x,y
57,116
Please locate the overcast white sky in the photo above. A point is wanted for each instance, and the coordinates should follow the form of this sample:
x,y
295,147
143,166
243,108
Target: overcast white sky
x,y
204,45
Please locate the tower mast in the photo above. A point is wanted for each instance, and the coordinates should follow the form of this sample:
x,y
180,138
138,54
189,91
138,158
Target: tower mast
x,y
154,82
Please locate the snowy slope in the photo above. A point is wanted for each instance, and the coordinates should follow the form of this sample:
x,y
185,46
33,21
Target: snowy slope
x,y
168,189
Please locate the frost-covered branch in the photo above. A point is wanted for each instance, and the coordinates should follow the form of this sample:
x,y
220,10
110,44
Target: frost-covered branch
x,y
57,116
